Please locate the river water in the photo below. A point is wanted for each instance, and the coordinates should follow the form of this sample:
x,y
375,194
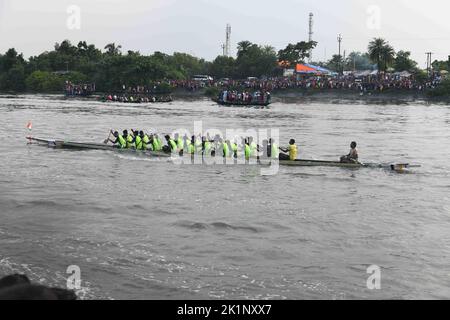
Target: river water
x,y
142,228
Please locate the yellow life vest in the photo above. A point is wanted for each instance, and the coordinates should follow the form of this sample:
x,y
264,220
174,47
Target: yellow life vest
x,y
274,153
173,145
129,141
145,142
122,142
247,152
234,147
293,152
138,143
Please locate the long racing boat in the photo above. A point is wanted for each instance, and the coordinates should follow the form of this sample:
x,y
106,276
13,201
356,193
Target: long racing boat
x,y
189,158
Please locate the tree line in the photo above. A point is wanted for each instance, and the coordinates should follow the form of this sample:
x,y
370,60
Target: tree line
x,y
110,68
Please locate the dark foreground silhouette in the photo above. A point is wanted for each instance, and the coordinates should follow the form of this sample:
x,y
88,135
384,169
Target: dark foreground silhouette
x,y
19,287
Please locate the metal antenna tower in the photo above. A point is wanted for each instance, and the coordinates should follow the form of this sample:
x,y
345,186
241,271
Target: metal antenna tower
x,y
311,24
227,51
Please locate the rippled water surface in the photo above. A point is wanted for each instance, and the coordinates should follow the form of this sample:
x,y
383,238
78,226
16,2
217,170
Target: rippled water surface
x,y
142,228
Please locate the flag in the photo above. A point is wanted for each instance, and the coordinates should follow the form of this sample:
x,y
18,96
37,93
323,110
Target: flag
x,y
29,125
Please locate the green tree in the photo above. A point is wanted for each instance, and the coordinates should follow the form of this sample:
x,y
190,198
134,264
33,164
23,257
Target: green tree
x,y
255,60
335,63
441,65
12,71
296,53
44,81
358,61
223,67
403,62
188,64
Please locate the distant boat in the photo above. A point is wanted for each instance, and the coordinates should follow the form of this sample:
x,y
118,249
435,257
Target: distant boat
x,y
242,103
233,98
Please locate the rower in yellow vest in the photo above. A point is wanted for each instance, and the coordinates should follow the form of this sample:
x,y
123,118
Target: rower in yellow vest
x,y
138,141
247,150
157,143
119,141
206,146
253,147
153,143
128,138
171,144
179,141
145,140
274,150
191,147
160,143
234,148
187,144
292,150
224,147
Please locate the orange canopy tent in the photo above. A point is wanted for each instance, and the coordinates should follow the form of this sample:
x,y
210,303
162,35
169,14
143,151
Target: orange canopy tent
x,y
301,68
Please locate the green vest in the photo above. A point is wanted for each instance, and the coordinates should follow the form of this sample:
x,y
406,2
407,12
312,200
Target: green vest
x,y
122,142
191,149
138,143
173,145
155,144
129,141
198,146
145,142
226,150
207,148
234,147
159,144
180,143
247,152
274,151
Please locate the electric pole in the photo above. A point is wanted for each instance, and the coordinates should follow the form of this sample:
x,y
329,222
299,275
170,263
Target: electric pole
x,y
429,62
339,62
343,62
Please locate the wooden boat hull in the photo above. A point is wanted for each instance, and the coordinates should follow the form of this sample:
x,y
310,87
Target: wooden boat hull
x,y
217,160
95,146
237,104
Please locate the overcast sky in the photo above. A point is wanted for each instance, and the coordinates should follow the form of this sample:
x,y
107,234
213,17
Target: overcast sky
x,y
198,26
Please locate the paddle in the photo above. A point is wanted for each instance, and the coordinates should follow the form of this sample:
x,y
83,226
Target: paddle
x,y
107,139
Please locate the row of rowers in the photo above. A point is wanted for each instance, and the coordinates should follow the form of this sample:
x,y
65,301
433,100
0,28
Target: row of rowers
x,y
202,145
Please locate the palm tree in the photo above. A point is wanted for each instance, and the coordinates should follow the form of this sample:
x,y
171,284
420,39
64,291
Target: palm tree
x,y
388,55
381,52
112,50
243,47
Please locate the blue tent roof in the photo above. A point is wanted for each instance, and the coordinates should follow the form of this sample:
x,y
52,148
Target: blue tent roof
x,y
323,70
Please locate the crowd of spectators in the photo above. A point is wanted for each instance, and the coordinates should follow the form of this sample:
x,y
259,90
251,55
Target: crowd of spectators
x,y
79,89
367,83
